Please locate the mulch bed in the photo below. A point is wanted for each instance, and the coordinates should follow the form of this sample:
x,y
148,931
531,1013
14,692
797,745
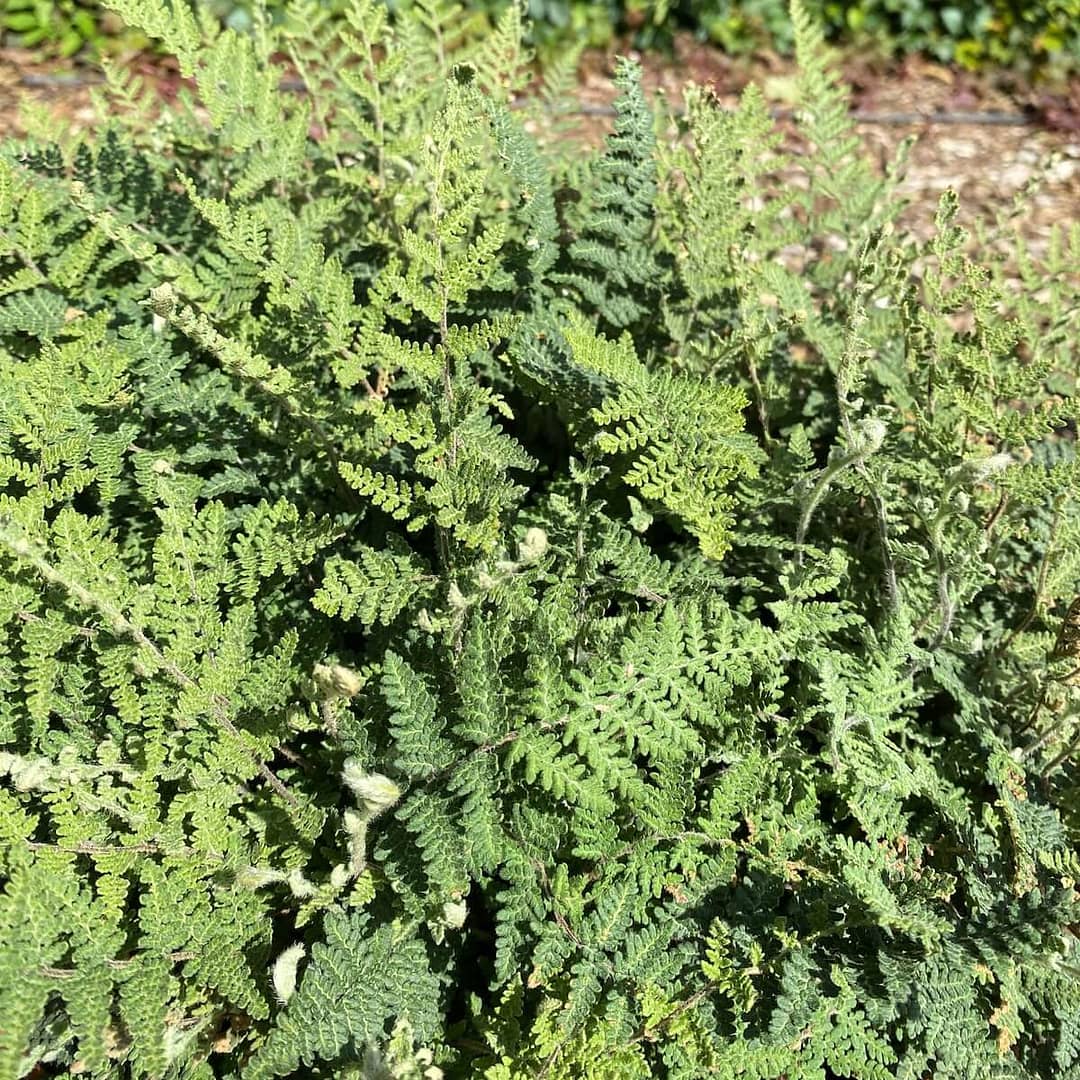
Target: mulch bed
x,y
1016,128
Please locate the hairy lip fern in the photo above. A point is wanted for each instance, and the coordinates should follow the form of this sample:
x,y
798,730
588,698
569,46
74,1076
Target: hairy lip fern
x,y
474,609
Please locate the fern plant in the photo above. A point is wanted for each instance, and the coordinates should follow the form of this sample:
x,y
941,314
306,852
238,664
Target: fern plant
x,y
474,612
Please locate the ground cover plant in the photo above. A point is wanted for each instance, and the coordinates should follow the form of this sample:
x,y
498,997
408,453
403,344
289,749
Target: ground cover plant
x,y
473,608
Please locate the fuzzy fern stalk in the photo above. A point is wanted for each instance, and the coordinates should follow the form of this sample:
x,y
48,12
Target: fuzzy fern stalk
x,y
475,608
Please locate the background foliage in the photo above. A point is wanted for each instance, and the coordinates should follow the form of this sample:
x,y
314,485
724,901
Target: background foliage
x,y
474,607
973,33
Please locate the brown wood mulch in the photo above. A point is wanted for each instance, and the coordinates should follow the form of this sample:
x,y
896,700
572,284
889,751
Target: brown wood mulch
x,y
1019,129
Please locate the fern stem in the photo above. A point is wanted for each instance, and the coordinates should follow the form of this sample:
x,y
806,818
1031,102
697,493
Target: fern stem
x,y
580,570
946,604
1054,728
1064,755
176,957
825,478
759,400
22,254
1040,583
150,847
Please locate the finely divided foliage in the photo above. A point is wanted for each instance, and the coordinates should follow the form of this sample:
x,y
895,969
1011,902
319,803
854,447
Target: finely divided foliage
x,y
472,611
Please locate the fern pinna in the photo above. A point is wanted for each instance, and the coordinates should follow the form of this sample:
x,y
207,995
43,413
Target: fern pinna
x,y
473,611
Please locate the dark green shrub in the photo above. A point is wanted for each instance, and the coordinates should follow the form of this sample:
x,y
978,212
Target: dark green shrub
x,y
62,26
970,32
474,608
